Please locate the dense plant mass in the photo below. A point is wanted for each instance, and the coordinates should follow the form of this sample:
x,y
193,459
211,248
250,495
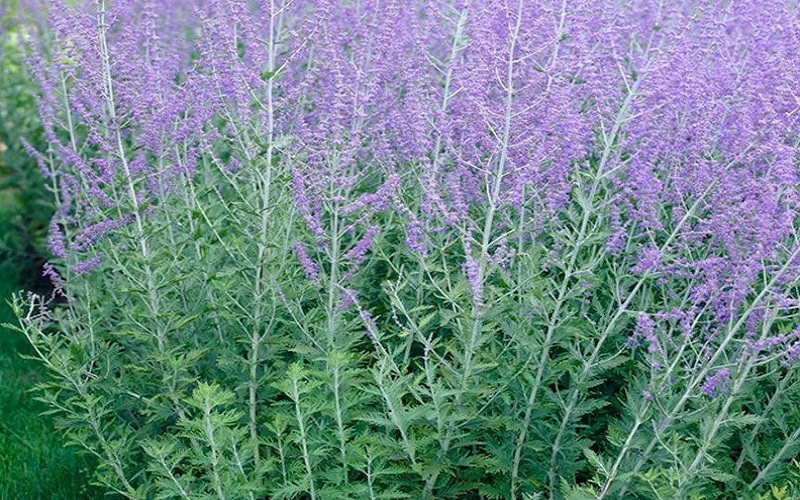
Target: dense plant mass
x,y
423,249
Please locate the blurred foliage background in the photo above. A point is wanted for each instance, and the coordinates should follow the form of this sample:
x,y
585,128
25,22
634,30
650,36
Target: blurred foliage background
x,y
24,203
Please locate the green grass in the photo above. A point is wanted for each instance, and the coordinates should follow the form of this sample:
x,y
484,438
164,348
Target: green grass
x,y
34,463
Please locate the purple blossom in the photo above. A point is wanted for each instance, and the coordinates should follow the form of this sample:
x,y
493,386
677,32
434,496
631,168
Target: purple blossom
x,y
645,331
473,271
86,266
717,383
376,201
349,298
415,236
792,353
55,241
309,266
91,234
49,271
648,261
357,253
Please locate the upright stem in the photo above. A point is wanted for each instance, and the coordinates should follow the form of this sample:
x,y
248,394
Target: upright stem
x,y
208,427
620,118
303,436
130,183
265,185
493,195
332,311
545,354
340,428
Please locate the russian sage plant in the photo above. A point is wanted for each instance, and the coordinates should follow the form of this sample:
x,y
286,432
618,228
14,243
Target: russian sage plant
x,y
423,249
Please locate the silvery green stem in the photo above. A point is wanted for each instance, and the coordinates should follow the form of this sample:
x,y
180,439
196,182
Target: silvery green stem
x,y
301,424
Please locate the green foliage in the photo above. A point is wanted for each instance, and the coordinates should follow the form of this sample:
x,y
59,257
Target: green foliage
x,y
210,367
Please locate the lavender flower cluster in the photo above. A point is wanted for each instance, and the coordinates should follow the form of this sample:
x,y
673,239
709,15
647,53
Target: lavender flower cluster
x,y
480,210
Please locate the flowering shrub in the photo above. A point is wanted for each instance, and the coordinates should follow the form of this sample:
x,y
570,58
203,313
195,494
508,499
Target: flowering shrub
x,y
423,249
